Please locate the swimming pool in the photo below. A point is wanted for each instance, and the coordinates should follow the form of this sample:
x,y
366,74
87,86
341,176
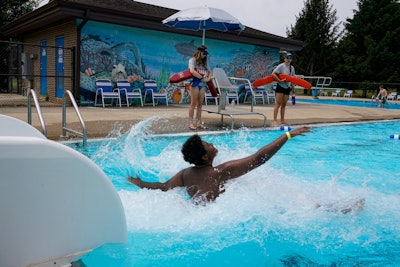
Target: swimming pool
x,y
353,103
267,217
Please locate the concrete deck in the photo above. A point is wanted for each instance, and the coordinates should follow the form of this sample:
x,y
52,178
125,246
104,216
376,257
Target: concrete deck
x,y
174,118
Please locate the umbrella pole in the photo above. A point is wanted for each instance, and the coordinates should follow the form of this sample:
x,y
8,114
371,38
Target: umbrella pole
x,y
204,32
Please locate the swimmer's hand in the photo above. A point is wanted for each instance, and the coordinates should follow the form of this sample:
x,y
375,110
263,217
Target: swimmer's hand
x,y
300,131
136,181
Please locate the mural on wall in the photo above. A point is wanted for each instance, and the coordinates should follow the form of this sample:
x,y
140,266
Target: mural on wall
x,y
116,52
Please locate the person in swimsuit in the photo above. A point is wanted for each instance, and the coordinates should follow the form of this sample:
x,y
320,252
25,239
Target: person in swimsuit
x,y
283,88
205,182
381,98
202,74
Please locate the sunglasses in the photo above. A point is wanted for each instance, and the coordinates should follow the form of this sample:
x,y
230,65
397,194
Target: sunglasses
x,y
289,58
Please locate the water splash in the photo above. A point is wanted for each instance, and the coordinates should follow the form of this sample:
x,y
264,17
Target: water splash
x,y
268,215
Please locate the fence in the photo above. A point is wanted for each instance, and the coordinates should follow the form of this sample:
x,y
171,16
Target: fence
x,y
49,70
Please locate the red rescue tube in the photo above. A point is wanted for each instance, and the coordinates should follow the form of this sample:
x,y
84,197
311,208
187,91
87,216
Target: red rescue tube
x,y
262,81
185,75
212,88
295,80
180,76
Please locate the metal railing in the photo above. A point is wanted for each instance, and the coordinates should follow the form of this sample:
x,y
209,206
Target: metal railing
x,y
64,121
32,95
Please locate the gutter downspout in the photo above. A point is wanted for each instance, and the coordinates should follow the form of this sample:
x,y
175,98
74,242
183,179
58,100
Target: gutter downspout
x,y
77,75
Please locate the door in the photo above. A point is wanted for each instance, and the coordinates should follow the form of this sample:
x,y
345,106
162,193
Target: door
x,y
59,67
43,67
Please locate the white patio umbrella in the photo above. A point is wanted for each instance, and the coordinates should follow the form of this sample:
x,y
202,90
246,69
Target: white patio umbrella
x,y
203,18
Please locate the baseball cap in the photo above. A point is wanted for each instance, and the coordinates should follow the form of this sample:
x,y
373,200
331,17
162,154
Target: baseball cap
x,y
203,49
288,55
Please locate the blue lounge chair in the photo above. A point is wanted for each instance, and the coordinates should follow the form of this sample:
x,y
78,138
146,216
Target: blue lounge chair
x,y
128,92
105,91
151,88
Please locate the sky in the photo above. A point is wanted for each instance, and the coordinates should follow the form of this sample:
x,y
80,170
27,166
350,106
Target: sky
x,y
271,16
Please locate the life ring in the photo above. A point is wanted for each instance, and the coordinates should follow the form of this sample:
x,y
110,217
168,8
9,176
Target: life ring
x,y
295,80
177,96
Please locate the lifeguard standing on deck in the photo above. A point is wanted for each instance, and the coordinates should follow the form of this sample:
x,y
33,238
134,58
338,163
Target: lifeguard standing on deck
x,y
283,88
202,74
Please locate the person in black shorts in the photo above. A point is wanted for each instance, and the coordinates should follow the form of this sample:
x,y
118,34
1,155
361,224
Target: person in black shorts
x,y
283,88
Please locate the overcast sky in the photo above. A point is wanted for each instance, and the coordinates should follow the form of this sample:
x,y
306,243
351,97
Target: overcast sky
x,y
272,16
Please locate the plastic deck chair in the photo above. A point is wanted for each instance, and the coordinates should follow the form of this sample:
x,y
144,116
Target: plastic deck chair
x,y
337,93
270,96
349,93
225,85
323,93
392,96
259,93
130,93
151,88
105,91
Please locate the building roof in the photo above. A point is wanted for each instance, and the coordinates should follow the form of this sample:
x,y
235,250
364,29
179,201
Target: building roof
x,y
131,13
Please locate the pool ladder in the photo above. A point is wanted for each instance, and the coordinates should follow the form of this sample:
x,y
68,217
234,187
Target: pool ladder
x,y
32,95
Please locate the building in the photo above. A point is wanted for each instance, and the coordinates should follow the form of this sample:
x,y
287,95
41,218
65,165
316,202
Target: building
x,y
69,43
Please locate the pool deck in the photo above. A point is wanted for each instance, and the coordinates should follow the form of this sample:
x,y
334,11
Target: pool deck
x,y
173,119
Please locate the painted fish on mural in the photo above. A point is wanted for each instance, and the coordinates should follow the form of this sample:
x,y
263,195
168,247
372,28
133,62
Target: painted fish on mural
x,y
186,49
240,72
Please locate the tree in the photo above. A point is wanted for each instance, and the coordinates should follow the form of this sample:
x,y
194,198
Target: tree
x,y
370,47
12,9
316,26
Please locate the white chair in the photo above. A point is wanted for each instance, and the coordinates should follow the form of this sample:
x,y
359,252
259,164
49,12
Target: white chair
x,y
392,96
126,90
151,88
270,96
225,86
323,93
259,93
398,98
349,93
105,91
336,93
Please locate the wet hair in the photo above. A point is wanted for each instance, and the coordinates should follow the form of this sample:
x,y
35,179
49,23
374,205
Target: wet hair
x,y
199,60
193,150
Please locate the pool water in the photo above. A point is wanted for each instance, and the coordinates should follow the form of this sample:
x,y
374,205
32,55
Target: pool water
x,y
268,217
353,103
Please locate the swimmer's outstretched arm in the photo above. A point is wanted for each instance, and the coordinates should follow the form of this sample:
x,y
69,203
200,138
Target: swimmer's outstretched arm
x,y
236,168
175,181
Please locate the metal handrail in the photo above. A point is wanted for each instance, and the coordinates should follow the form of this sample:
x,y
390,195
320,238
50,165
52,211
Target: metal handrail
x,y
64,123
32,94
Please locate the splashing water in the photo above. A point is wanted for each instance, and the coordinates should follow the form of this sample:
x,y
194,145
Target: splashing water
x,y
268,217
